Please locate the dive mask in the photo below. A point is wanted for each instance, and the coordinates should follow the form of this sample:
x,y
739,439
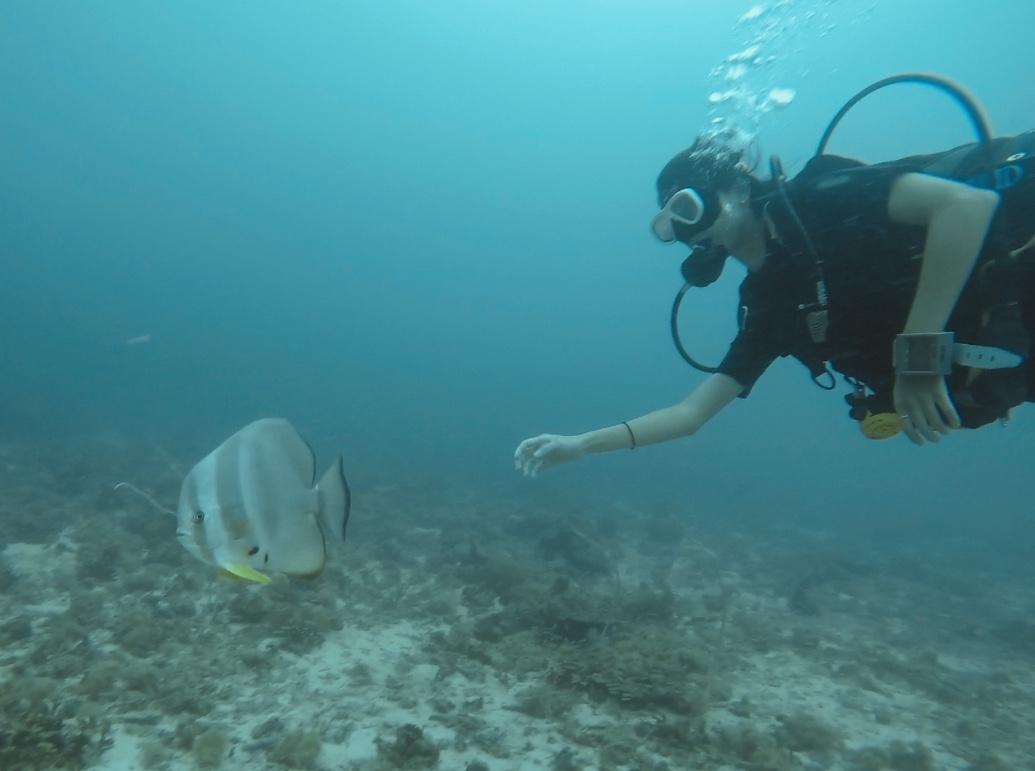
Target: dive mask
x,y
704,264
686,214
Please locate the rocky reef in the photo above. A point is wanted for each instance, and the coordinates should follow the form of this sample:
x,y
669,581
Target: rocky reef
x,y
456,633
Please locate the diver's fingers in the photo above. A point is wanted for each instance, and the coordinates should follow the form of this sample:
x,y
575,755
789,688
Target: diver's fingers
x,y
928,431
544,456
948,410
528,458
532,469
521,450
907,409
537,442
917,409
933,420
526,464
529,446
521,459
910,430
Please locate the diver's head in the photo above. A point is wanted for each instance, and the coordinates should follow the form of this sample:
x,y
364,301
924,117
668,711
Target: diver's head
x,y
705,193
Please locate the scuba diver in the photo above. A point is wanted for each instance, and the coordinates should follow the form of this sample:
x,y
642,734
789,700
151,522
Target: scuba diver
x,y
913,279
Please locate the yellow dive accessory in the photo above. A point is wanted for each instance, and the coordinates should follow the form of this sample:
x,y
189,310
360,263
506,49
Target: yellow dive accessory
x,y
882,425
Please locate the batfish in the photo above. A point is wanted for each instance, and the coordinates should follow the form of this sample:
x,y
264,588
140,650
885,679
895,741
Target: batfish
x,y
253,506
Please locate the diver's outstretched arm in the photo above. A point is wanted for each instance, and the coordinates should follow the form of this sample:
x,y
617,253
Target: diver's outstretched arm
x,y
682,419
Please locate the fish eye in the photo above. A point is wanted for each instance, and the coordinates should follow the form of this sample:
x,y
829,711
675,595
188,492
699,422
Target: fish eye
x,y
199,517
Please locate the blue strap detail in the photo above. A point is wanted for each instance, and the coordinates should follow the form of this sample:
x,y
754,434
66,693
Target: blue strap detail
x,y
1008,176
1002,178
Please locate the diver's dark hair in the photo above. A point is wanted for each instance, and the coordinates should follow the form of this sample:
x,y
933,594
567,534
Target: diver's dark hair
x,y
708,164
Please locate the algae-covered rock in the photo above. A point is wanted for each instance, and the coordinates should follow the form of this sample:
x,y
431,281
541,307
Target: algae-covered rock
x,y
652,668
897,756
409,749
210,748
911,757
270,727
577,550
802,732
138,634
988,761
541,701
45,734
567,760
14,631
759,749
8,578
153,755
97,562
298,749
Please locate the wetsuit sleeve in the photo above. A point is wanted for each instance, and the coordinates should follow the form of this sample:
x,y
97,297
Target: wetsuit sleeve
x,y
766,320
748,357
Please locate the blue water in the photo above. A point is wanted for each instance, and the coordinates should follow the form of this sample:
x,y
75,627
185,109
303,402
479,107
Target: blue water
x,y
419,231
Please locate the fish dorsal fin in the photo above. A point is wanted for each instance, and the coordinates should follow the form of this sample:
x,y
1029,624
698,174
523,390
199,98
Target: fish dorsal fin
x,y
293,450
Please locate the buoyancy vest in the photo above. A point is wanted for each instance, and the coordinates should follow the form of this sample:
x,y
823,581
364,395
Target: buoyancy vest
x,y
997,307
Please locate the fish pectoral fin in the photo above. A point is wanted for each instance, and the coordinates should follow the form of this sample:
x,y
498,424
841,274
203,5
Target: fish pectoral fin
x,y
311,576
244,573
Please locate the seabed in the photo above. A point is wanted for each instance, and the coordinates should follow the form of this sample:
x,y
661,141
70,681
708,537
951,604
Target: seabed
x,y
456,631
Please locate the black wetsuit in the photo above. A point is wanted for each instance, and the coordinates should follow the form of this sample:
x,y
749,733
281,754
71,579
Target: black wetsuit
x,y
871,266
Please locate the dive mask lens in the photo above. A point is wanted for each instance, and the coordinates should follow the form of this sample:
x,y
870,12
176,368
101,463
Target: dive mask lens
x,y
704,264
682,211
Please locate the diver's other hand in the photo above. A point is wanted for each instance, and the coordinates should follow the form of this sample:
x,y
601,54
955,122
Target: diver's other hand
x,y
546,451
923,405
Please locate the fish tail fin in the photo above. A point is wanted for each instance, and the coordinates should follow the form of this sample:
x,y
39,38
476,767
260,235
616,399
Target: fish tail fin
x,y
335,500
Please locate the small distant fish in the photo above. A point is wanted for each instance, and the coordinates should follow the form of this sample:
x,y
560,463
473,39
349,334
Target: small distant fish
x,y
138,340
253,505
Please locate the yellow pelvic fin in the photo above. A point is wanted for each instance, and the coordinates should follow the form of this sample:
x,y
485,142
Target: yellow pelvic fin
x,y
245,573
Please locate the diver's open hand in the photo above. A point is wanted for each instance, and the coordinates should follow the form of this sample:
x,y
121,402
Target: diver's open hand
x,y
545,451
923,405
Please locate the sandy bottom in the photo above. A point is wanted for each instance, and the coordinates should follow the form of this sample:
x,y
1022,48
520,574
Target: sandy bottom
x,y
503,637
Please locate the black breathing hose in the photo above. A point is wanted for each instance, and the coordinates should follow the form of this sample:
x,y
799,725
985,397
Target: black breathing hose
x,y
957,92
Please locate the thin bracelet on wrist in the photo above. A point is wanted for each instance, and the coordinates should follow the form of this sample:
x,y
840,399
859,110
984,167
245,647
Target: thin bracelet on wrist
x,y
632,436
